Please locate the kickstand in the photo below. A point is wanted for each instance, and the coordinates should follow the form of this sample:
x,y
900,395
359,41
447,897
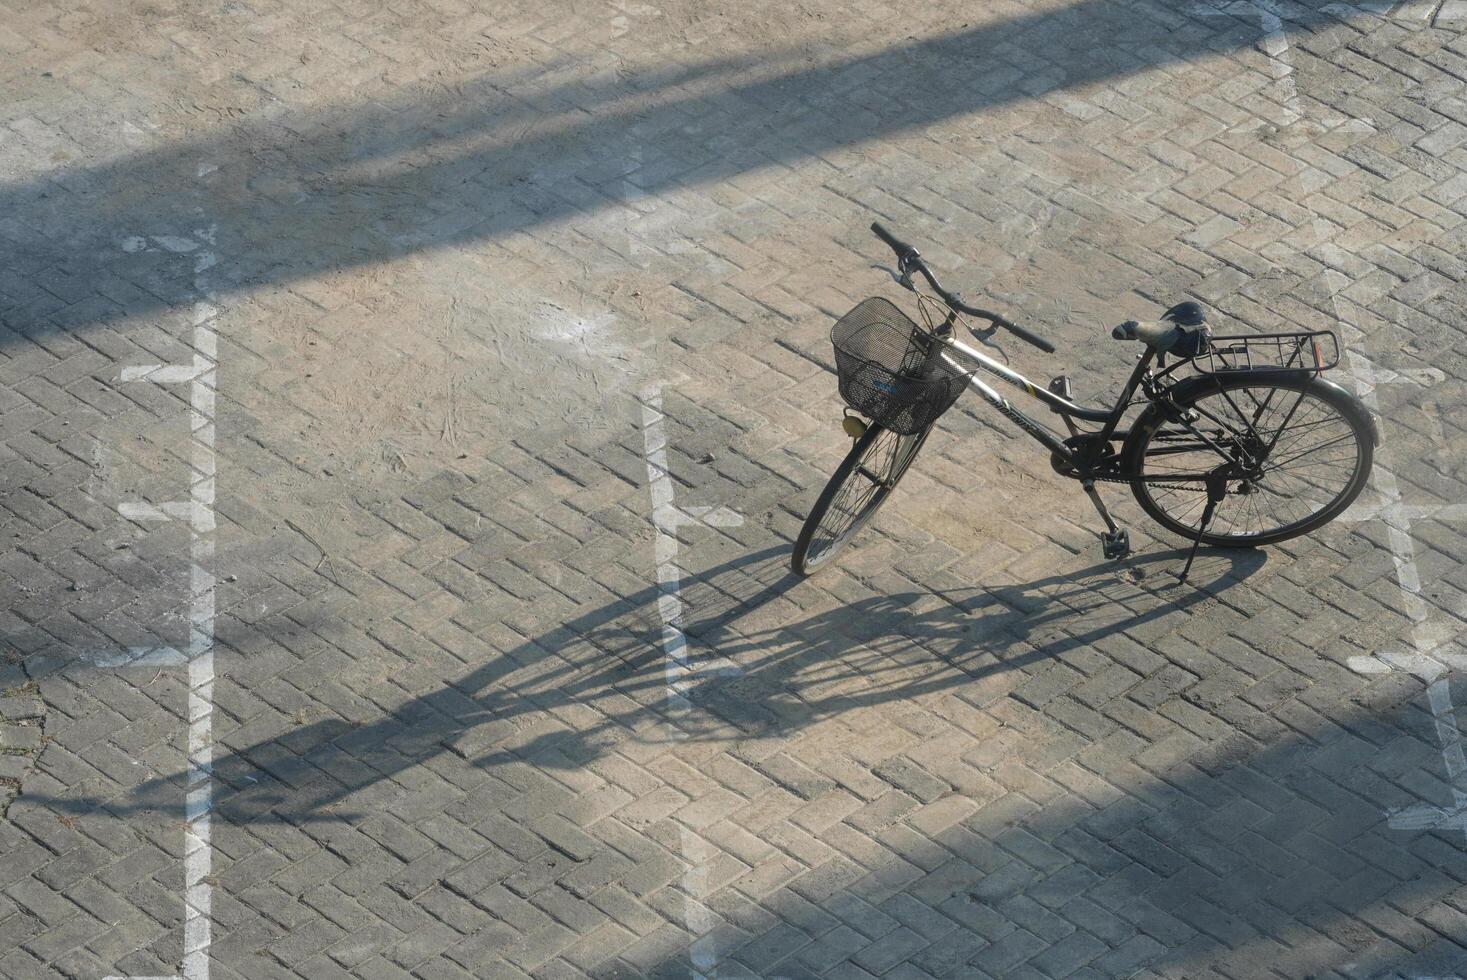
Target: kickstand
x,y
1217,488
1114,541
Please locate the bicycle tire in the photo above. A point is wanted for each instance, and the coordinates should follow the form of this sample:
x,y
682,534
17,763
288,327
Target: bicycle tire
x,y
1336,415
811,551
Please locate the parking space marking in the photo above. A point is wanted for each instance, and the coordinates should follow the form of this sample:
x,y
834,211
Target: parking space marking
x,y
1379,510
136,657
1424,660
1391,508
678,673
198,512
167,373
1274,43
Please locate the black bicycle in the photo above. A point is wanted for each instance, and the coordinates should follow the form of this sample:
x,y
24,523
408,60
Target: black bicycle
x,y
1240,442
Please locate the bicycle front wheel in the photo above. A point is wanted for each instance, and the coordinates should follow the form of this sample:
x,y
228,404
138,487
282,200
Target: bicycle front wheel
x,y
1312,444
859,487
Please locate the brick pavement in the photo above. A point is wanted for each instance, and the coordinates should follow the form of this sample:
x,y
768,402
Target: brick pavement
x,y
444,740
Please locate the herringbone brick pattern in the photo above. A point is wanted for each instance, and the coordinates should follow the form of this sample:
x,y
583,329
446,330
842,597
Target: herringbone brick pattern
x,y
454,242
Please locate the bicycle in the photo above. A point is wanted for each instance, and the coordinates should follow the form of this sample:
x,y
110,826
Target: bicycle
x,y
1248,446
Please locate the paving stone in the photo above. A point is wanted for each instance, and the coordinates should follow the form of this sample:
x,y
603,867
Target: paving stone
x,y
446,251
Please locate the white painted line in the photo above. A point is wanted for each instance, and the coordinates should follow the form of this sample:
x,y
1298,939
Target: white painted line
x,y
1422,661
1424,816
198,511
135,510
712,516
1428,666
166,373
1274,43
136,657
198,806
677,671
191,511
667,518
1383,510
176,243
1426,659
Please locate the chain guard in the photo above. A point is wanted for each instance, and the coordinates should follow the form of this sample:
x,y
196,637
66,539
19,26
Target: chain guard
x,y
1081,444
1109,468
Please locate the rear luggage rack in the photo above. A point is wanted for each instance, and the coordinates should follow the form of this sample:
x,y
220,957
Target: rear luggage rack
x,y
1315,351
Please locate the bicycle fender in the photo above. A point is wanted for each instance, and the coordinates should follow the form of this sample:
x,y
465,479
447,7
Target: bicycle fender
x,y
1359,405
1197,385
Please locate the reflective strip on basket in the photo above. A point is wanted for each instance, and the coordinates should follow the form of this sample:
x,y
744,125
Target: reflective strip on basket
x,y
885,372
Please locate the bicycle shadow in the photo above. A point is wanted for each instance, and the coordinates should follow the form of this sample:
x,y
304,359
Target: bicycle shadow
x,y
608,670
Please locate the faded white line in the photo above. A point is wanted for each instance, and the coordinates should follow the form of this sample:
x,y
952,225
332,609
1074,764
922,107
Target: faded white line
x,y
184,510
198,806
678,673
198,511
167,373
1424,661
1274,44
1392,510
138,657
1404,512
666,520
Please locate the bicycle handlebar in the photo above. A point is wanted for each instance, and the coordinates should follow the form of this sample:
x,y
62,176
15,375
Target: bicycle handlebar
x,y
901,248
908,258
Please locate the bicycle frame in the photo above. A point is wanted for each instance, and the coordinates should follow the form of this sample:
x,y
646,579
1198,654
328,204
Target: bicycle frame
x,y
1110,419
1232,441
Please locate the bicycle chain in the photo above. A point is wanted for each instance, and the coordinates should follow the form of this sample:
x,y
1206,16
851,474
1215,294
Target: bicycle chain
x,y
1125,480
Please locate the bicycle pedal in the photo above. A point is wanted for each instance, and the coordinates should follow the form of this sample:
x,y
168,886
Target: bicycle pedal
x,y
1115,544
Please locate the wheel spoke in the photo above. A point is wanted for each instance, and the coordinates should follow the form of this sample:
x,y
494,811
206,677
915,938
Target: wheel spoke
x,y
868,480
1308,454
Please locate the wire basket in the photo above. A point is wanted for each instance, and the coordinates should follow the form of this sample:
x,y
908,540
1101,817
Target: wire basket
x,y
888,369
1314,351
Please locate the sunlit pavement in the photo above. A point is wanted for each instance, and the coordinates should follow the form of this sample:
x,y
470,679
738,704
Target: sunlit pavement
x,y
406,412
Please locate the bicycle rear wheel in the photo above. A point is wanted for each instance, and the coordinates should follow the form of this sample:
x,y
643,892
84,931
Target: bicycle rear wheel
x,y
859,487
1313,442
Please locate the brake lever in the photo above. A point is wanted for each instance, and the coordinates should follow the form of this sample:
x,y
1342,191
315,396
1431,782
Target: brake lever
x,y
896,277
985,337
904,268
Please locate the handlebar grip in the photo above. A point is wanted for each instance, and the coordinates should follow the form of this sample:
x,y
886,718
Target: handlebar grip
x,y
1034,339
901,248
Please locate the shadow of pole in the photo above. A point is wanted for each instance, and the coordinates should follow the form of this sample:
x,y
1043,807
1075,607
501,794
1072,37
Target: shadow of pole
x,y
1241,858
296,196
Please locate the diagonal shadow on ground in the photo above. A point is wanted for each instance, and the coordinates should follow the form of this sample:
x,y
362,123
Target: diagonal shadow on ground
x,y
1266,844
298,195
867,653
1250,858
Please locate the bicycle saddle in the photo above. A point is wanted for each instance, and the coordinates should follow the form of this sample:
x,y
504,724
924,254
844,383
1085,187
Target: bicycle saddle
x,y
1182,331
